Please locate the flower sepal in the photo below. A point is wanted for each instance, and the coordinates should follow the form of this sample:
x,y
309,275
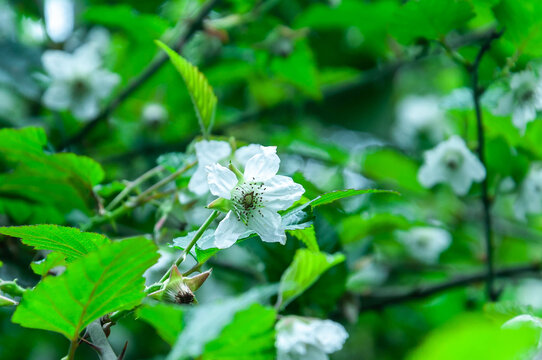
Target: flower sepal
x,y
178,289
237,173
221,204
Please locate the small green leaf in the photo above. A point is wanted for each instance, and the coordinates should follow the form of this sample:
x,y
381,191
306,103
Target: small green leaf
x,y
429,19
201,92
304,270
307,236
250,336
165,318
330,197
52,260
106,280
71,242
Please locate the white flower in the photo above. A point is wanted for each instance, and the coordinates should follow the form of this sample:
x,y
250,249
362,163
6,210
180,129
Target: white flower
x,y
154,113
255,199
522,100
308,339
451,162
419,119
209,152
529,200
78,82
425,243
529,293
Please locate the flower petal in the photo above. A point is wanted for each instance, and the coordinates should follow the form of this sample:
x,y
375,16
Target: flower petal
x,y
210,152
198,182
281,192
57,96
264,166
103,82
243,154
267,224
221,180
228,231
59,64
85,107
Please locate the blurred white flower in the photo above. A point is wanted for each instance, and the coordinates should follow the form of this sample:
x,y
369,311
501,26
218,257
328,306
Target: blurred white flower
x,y
419,119
522,100
529,200
59,19
254,198
425,243
78,82
529,293
453,163
154,114
460,99
32,31
308,339
8,27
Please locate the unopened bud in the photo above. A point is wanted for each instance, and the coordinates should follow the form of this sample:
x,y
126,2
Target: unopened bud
x,y
220,204
179,289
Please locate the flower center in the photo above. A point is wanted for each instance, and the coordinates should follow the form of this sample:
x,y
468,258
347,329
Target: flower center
x,y
453,160
79,87
247,200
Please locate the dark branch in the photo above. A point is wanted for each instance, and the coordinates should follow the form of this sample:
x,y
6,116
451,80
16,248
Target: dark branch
x,y
382,299
476,93
195,25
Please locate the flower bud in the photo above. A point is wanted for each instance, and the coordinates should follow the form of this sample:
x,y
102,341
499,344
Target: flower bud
x,y
179,289
220,204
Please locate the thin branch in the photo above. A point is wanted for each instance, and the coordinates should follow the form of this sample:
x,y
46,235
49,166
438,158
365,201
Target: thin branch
x,y
195,24
476,93
132,185
382,299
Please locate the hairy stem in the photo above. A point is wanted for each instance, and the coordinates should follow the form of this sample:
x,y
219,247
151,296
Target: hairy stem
x,y
193,242
132,185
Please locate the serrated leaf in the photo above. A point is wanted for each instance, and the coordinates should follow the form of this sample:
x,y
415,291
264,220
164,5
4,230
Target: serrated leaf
x,y
429,19
203,97
71,242
106,280
307,236
304,270
165,318
20,144
250,336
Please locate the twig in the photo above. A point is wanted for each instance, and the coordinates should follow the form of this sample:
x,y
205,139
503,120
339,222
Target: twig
x,y
476,93
132,185
195,24
378,301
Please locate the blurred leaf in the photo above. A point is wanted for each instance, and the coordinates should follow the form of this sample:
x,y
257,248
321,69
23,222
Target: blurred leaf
x,y
140,27
71,242
330,197
201,92
167,319
299,69
106,280
522,24
473,337
305,269
429,19
391,167
307,236
250,336
21,144
206,321
356,227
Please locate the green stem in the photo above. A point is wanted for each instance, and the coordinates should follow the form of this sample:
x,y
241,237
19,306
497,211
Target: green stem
x,y
132,185
189,247
71,351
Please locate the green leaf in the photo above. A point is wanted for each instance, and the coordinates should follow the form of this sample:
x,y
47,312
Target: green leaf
x,y
474,337
429,19
391,167
522,24
165,318
205,322
106,280
52,260
304,270
71,242
307,236
201,92
250,336
22,144
330,197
